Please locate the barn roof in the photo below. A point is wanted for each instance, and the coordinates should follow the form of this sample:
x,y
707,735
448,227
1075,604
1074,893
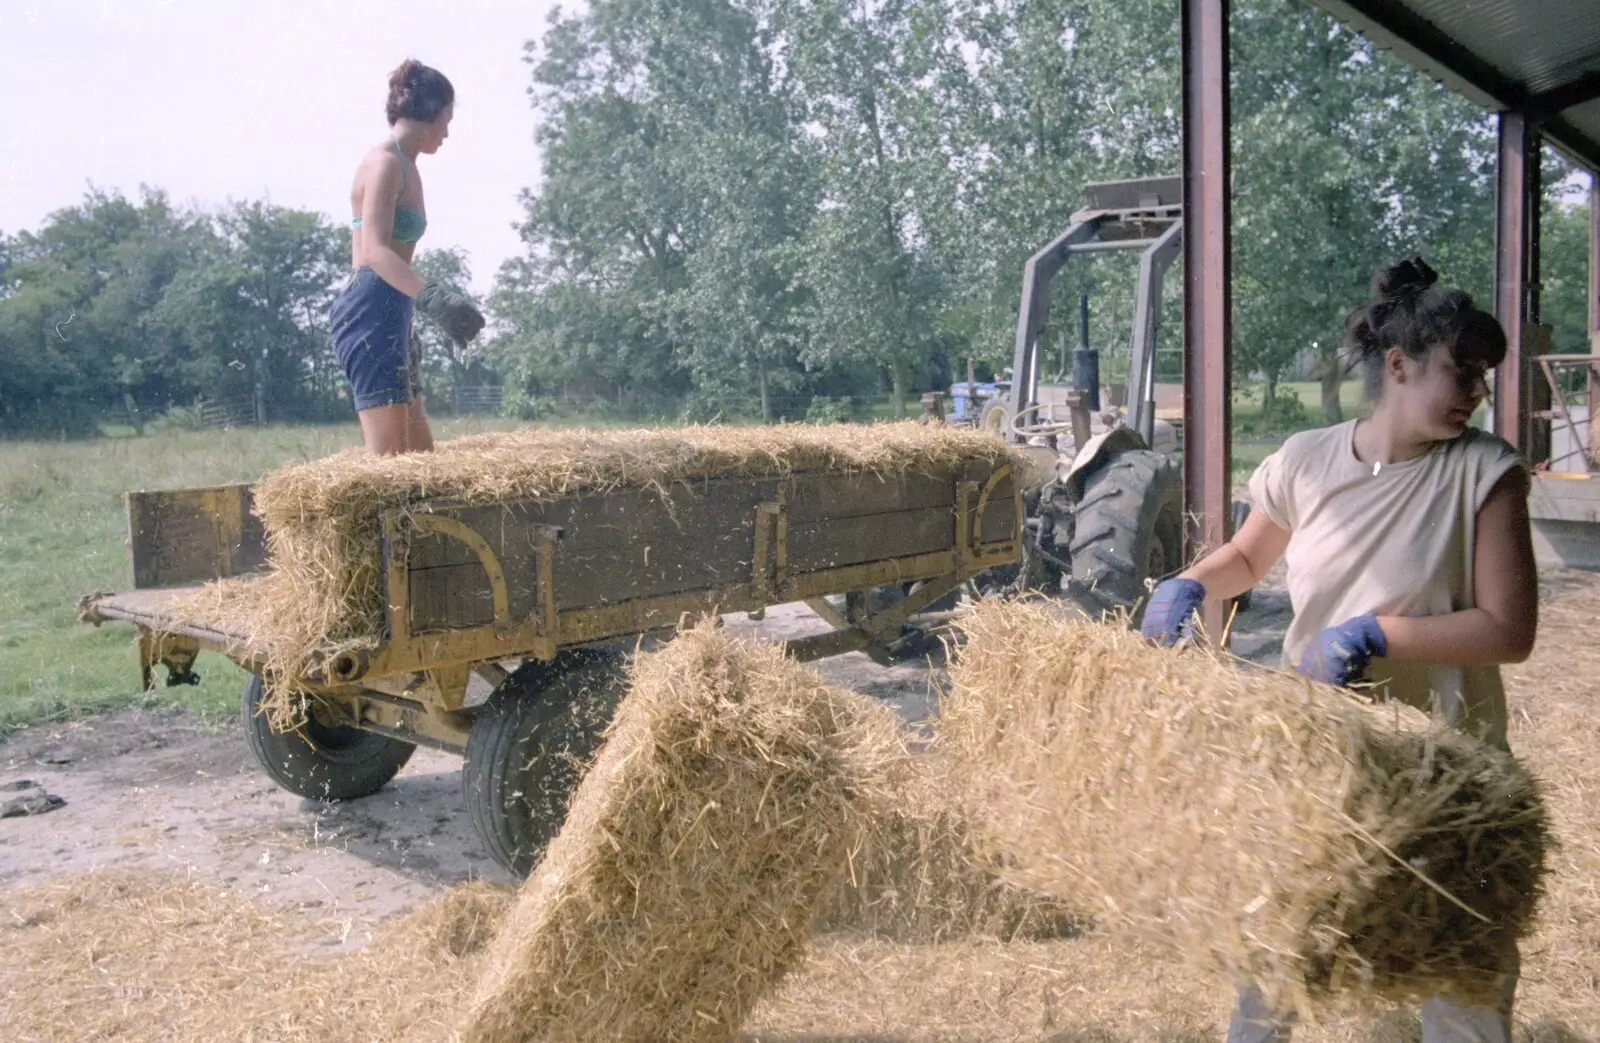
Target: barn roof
x,y
1541,57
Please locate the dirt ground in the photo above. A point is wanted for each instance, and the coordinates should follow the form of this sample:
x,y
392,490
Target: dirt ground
x,y
151,790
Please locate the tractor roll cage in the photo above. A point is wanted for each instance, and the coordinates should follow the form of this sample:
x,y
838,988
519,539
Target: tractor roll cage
x,y
1139,214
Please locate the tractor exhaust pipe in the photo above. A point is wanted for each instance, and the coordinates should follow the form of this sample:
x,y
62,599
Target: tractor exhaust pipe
x,y
1086,361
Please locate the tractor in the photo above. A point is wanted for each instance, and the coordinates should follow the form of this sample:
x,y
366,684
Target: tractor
x,y
1108,516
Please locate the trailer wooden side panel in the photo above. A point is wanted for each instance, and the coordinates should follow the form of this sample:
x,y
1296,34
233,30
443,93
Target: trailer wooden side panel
x,y
701,536
179,537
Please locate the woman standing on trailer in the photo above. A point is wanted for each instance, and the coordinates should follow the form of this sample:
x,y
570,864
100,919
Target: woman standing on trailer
x,y
1409,552
371,318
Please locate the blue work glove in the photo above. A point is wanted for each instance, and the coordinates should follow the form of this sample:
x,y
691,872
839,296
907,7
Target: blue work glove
x,y
1340,654
1170,616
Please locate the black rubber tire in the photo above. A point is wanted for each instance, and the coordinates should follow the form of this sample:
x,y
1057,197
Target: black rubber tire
x,y
320,761
1128,527
531,745
995,417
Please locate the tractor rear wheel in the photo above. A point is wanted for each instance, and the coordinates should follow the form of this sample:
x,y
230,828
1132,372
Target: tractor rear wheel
x,y
995,416
1127,528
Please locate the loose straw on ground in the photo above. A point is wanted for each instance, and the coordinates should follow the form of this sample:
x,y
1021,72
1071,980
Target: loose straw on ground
x,y
1261,826
162,955
140,954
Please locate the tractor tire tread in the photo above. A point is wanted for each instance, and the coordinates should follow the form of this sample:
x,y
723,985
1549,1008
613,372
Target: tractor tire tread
x,y
1134,498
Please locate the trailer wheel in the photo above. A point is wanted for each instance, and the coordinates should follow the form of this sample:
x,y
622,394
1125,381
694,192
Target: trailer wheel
x,y
317,760
1127,528
995,417
530,746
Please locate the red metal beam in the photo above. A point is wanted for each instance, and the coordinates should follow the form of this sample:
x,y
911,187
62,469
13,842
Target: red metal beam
x,y
1518,145
1594,255
1207,304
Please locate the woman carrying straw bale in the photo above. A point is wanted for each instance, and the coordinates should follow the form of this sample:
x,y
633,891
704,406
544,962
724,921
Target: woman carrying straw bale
x,y
1410,560
371,317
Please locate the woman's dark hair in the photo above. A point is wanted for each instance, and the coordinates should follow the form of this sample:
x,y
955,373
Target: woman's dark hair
x,y
1411,315
417,92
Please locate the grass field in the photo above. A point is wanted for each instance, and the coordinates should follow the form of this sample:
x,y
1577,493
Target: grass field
x,y
62,533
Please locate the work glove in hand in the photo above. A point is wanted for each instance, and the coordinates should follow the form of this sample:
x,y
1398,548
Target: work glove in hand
x,y
453,312
1340,654
1171,615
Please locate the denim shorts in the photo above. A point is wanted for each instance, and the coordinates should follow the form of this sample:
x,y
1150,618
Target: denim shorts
x,y
372,339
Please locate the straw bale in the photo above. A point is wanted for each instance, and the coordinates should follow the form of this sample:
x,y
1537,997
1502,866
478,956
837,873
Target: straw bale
x,y
921,878
1257,824
322,517
731,794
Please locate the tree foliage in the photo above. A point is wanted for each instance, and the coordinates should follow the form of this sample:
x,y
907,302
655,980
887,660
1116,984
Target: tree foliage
x,y
741,194
135,307
782,208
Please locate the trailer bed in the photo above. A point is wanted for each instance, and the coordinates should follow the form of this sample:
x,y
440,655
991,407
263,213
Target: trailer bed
x,y
471,584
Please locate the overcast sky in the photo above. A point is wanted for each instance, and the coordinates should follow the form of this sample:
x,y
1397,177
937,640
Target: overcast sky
x,y
218,100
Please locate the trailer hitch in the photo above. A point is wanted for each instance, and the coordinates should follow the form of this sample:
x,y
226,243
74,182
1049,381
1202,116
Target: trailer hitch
x,y
177,654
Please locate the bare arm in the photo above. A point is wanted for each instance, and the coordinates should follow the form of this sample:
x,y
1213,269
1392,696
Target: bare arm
x,y
1240,564
376,247
1500,629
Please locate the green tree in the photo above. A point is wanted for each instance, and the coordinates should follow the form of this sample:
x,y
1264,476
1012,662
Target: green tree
x,y
71,315
732,187
585,310
253,310
735,150
865,258
1345,161
1038,98
133,307
1564,259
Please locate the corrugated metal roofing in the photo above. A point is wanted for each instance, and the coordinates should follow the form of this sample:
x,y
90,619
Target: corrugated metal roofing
x,y
1541,56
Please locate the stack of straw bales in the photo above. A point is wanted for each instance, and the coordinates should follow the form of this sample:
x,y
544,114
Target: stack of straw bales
x,y
732,793
1259,825
324,594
